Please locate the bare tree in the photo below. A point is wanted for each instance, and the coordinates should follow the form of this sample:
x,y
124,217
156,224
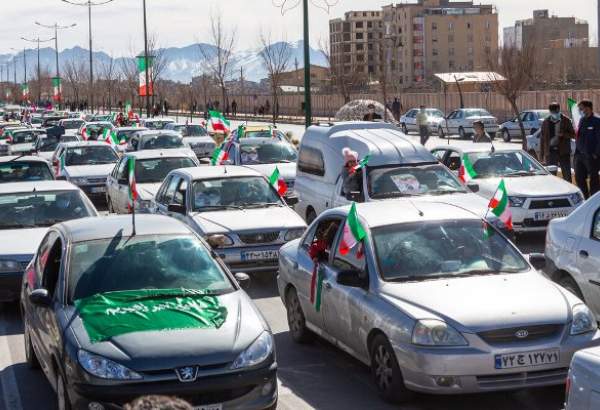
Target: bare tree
x,y
217,59
515,68
76,76
159,64
110,77
344,78
275,58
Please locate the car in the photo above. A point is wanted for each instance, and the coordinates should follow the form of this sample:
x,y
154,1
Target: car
x,y
151,168
200,337
24,169
45,146
157,123
260,131
27,210
124,133
71,125
196,137
461,122
532,121
153,140
236,209
22,141
536,196
52,120
93,130
36,122
186,130
408,122
582,390
533,145
86,164
431,299
573,252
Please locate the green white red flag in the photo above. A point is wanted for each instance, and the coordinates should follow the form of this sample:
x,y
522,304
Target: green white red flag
x,y
278,182
353,232
56,88
25,91
575,113
145,89
111,138
361,164
133,193
499,205
316,286
219,156
60,166
218,122
466,171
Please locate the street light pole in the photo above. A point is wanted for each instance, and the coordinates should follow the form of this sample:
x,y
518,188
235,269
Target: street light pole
x,y
39,73
307,96
146,61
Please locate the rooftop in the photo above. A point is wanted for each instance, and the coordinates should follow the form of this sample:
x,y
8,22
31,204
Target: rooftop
x,y
40,186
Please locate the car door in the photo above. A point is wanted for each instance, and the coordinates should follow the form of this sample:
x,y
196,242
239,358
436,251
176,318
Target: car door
x,y
167,193
451,125
122,186
588,258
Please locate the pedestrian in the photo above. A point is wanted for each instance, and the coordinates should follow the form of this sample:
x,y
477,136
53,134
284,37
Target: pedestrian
x,y
587,151
234,108
555,141
396,109
422,123
351,179
479,134
371,115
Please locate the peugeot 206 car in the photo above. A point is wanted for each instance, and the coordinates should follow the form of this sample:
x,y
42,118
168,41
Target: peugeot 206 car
x,y
433,299
111,314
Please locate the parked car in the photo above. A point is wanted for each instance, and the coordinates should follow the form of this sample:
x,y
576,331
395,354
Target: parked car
x,y
432,301
235,209
28,209
532,121
157,123
583,388
461,122
533,145
24,169
151,168
535,195
201,337
408,122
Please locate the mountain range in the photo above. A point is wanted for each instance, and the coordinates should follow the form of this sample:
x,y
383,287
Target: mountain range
x,y
183,63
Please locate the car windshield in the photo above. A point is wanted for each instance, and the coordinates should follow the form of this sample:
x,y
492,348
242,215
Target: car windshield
x,y
24,137
36,120
443,249
476,113
156,125
391,182
155,170
191,130
504,164
264,134
143,262
92,155
19,171
542,115
233,193
40,209
434,113
68,138
72,125
269,151
46,144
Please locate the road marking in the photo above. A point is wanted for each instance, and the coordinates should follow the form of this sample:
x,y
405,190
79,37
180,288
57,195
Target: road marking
x,y
8,381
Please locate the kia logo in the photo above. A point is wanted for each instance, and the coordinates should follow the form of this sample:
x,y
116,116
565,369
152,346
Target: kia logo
x,y
522,334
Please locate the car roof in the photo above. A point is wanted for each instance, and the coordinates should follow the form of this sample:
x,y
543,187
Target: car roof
x,y
17,158
226,171
260,140
42,186
161,153
476,148
158,133
75,144
131,129
158,119
106,227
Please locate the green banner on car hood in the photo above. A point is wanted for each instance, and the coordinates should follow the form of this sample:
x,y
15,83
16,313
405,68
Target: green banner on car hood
x,y
112,314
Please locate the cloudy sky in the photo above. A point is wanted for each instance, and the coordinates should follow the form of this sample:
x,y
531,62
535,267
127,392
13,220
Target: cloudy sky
x,y
117,26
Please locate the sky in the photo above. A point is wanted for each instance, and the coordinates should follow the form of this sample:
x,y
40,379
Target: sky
x,y
117,26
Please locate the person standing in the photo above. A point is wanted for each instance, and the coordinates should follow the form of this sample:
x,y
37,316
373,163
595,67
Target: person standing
x,y
479,134
234,108
555,141
587,151
422,124
396,109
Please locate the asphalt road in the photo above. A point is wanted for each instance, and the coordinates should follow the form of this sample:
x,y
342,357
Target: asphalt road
x,y
315,376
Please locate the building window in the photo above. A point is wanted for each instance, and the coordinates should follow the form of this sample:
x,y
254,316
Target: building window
x,y
370,36
470,38
434,26
360,47
450,38
451,51
346,36
434,40
364,14
360,58
451,26
451,65
347,48
359,24
369,24
434,51
359,36
469,25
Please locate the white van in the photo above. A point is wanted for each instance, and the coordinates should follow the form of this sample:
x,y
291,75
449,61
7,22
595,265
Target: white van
x,y
398,168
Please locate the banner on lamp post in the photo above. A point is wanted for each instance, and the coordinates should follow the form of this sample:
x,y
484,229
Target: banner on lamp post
x,y
56,89
25,91
145,89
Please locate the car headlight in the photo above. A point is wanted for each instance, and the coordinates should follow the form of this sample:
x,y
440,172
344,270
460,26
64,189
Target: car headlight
x,y
576,198
293,234
257,353
583,320
516,201
9,266
78,181
219,240
104,368
436,333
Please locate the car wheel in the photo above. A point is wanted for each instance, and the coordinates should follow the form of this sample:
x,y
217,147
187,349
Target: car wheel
x,y
62,397
386,372
404,129
567,282
296,319
461,133
440,132
311,215
506,135
30,356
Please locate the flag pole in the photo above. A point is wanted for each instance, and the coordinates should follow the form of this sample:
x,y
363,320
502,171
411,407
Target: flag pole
x,y
133,219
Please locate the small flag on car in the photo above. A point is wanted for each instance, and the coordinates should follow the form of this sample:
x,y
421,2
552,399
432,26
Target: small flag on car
x,y
278,182
466,171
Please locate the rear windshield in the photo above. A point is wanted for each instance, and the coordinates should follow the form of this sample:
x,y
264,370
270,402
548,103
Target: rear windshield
x,y
20,171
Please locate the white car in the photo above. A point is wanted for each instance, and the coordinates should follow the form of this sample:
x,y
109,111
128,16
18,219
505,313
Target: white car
x,y
532,121
87,164
45,146
71,125
22,141
28,209
157,123
236,209
93,130
24,169
583,382
151,168
535,195
408,122
461,122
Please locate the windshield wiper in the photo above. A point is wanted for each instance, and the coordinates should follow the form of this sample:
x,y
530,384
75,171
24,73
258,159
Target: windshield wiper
x,y
418,278
521,173
384,195
212,207
262,204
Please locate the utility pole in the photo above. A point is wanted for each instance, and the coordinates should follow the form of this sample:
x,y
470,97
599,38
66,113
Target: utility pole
x,y
39,72
146,62
307,102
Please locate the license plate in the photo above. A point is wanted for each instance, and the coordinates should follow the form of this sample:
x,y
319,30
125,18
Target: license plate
x,y
548,215
259,255
209,407
98,189
526,359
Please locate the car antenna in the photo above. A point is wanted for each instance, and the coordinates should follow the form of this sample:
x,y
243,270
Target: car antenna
x,y
17,157
421,213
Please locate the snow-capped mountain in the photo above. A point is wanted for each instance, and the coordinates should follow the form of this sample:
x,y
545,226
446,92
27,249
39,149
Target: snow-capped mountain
x,y
183,63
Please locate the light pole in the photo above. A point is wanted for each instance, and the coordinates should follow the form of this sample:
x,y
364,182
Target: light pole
x,y
15,63
307,101
89,4
146,61
39,74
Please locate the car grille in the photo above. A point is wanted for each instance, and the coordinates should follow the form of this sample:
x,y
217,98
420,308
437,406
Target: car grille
x,y
499,336
523,379
530,223
259,237
96,181
550,203
217,396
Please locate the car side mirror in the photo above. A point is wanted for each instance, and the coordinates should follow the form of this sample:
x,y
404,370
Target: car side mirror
x,y
351,278
538,260
123,181
176,208
291,200
243,280
40,297
204,161
355,196
473,186
553,169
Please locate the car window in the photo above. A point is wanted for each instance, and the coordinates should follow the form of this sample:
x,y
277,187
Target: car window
x,y
439,154
42,256
323,237
310,160
504,163
171,188
122,171
24,137
155,170
90,155
20,171
51,271
453,161
180,193
596,226
353,260
266,152
233,193
160,195
162,142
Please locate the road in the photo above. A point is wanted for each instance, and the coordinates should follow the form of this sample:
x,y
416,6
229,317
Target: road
x,y
315,376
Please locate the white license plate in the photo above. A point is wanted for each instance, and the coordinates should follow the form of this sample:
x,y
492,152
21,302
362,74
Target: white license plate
x,y
209,407
98,190
548,215
526,359
259,255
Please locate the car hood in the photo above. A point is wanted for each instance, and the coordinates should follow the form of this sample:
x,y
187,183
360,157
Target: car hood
x,y
101,170
148,191
481,117
286,169
469,201
530,186
21,241
271,218
482,303
199,140
168,349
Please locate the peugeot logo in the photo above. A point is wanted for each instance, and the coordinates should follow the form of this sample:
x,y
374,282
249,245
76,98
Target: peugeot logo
x,y
522,334
187,374
551,204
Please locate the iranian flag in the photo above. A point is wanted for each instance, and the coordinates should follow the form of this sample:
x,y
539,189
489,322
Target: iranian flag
x,y
278,182
575,114
218,122
133,193
128,110
361,164
25,90
60,166
241,130
145,89
500,207
219,156
353,232
466,171
56,87
110,137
